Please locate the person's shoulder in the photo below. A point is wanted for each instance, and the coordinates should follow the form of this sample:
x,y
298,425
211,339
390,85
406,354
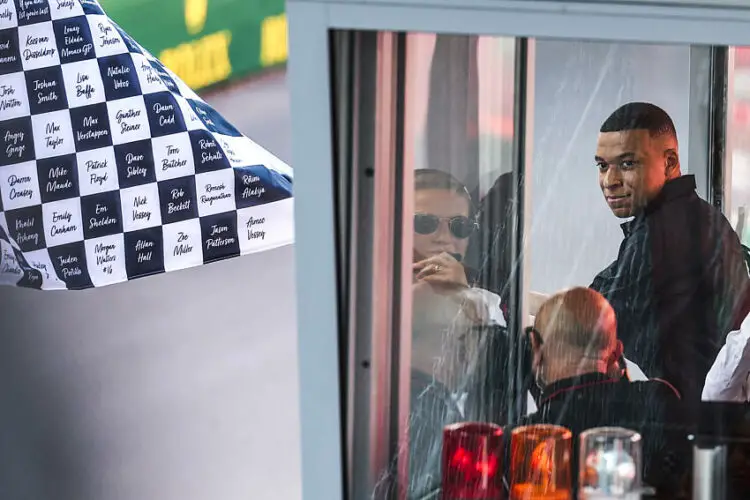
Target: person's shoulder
x,y
713,215
604,277
489,302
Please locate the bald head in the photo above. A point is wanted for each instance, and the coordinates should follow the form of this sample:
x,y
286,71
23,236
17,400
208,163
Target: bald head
x,y
578,321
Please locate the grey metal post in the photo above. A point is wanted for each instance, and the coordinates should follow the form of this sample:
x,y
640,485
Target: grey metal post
x,y
709,472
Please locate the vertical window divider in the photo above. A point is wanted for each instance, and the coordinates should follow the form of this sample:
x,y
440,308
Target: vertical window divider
x,y
402,243
719,166
523,111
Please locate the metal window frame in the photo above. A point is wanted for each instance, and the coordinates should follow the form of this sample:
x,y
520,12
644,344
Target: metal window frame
x,y
315,255
700,110
369,157
523,150
375,421
361,163
310,77
717,128
378,305
709,101
727,163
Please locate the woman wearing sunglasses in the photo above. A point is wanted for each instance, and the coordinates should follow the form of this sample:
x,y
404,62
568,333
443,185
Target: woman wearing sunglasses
x,y
448,321
443,224
442,227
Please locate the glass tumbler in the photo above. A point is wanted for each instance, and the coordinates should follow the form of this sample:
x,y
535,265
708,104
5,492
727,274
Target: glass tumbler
x,y
609,464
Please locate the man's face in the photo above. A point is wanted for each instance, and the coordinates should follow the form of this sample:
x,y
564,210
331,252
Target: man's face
x,y
632,168
444,204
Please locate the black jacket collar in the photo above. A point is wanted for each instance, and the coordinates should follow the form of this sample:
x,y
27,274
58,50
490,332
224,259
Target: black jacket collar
x,y
565,386
676,188
672,190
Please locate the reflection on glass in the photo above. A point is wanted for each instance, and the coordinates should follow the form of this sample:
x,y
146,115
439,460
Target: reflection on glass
x,y
719,386
739,138
591,166
610,464
678,271
578,84
458,143
540,463
472,462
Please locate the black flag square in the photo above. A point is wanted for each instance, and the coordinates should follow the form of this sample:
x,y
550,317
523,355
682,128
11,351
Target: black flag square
x,y
219,235
69,262
144,252
101,214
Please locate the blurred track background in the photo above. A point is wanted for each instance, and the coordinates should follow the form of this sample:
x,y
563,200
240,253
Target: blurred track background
x,y
259,107
181,386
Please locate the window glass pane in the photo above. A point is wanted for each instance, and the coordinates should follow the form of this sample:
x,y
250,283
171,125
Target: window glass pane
x,y
588,194
738,194
459,148
615,208
611,208
574,234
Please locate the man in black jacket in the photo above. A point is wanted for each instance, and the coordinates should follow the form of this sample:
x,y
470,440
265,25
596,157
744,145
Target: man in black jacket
x,y
679,278
575,364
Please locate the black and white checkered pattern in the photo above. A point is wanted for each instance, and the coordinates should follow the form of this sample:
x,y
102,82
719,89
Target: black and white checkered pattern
x,y
111,168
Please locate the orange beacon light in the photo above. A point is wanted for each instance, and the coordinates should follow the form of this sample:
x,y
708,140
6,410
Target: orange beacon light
x,y
472,462
540,463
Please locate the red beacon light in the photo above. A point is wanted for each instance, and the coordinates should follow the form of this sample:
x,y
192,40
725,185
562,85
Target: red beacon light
x,y
472,462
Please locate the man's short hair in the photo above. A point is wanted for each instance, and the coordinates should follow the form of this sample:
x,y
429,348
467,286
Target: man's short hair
x,y
640,116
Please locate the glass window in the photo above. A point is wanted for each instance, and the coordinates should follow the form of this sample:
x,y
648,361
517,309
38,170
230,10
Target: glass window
x,y
604,213
574,235
605,205
459,106
737,199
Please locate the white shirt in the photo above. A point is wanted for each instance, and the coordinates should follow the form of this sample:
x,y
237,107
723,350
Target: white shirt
x,y
447,317
727,380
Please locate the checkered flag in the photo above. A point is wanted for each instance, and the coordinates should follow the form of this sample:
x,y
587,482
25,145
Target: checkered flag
x,y
111,168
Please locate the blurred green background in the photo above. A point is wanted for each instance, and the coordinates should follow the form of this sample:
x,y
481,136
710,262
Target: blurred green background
x,y
206,42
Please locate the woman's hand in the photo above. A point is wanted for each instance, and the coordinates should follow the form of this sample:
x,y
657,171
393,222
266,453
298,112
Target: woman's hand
x,y
441,269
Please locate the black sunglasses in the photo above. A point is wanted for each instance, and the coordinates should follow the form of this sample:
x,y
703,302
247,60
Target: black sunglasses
x,y
460,226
